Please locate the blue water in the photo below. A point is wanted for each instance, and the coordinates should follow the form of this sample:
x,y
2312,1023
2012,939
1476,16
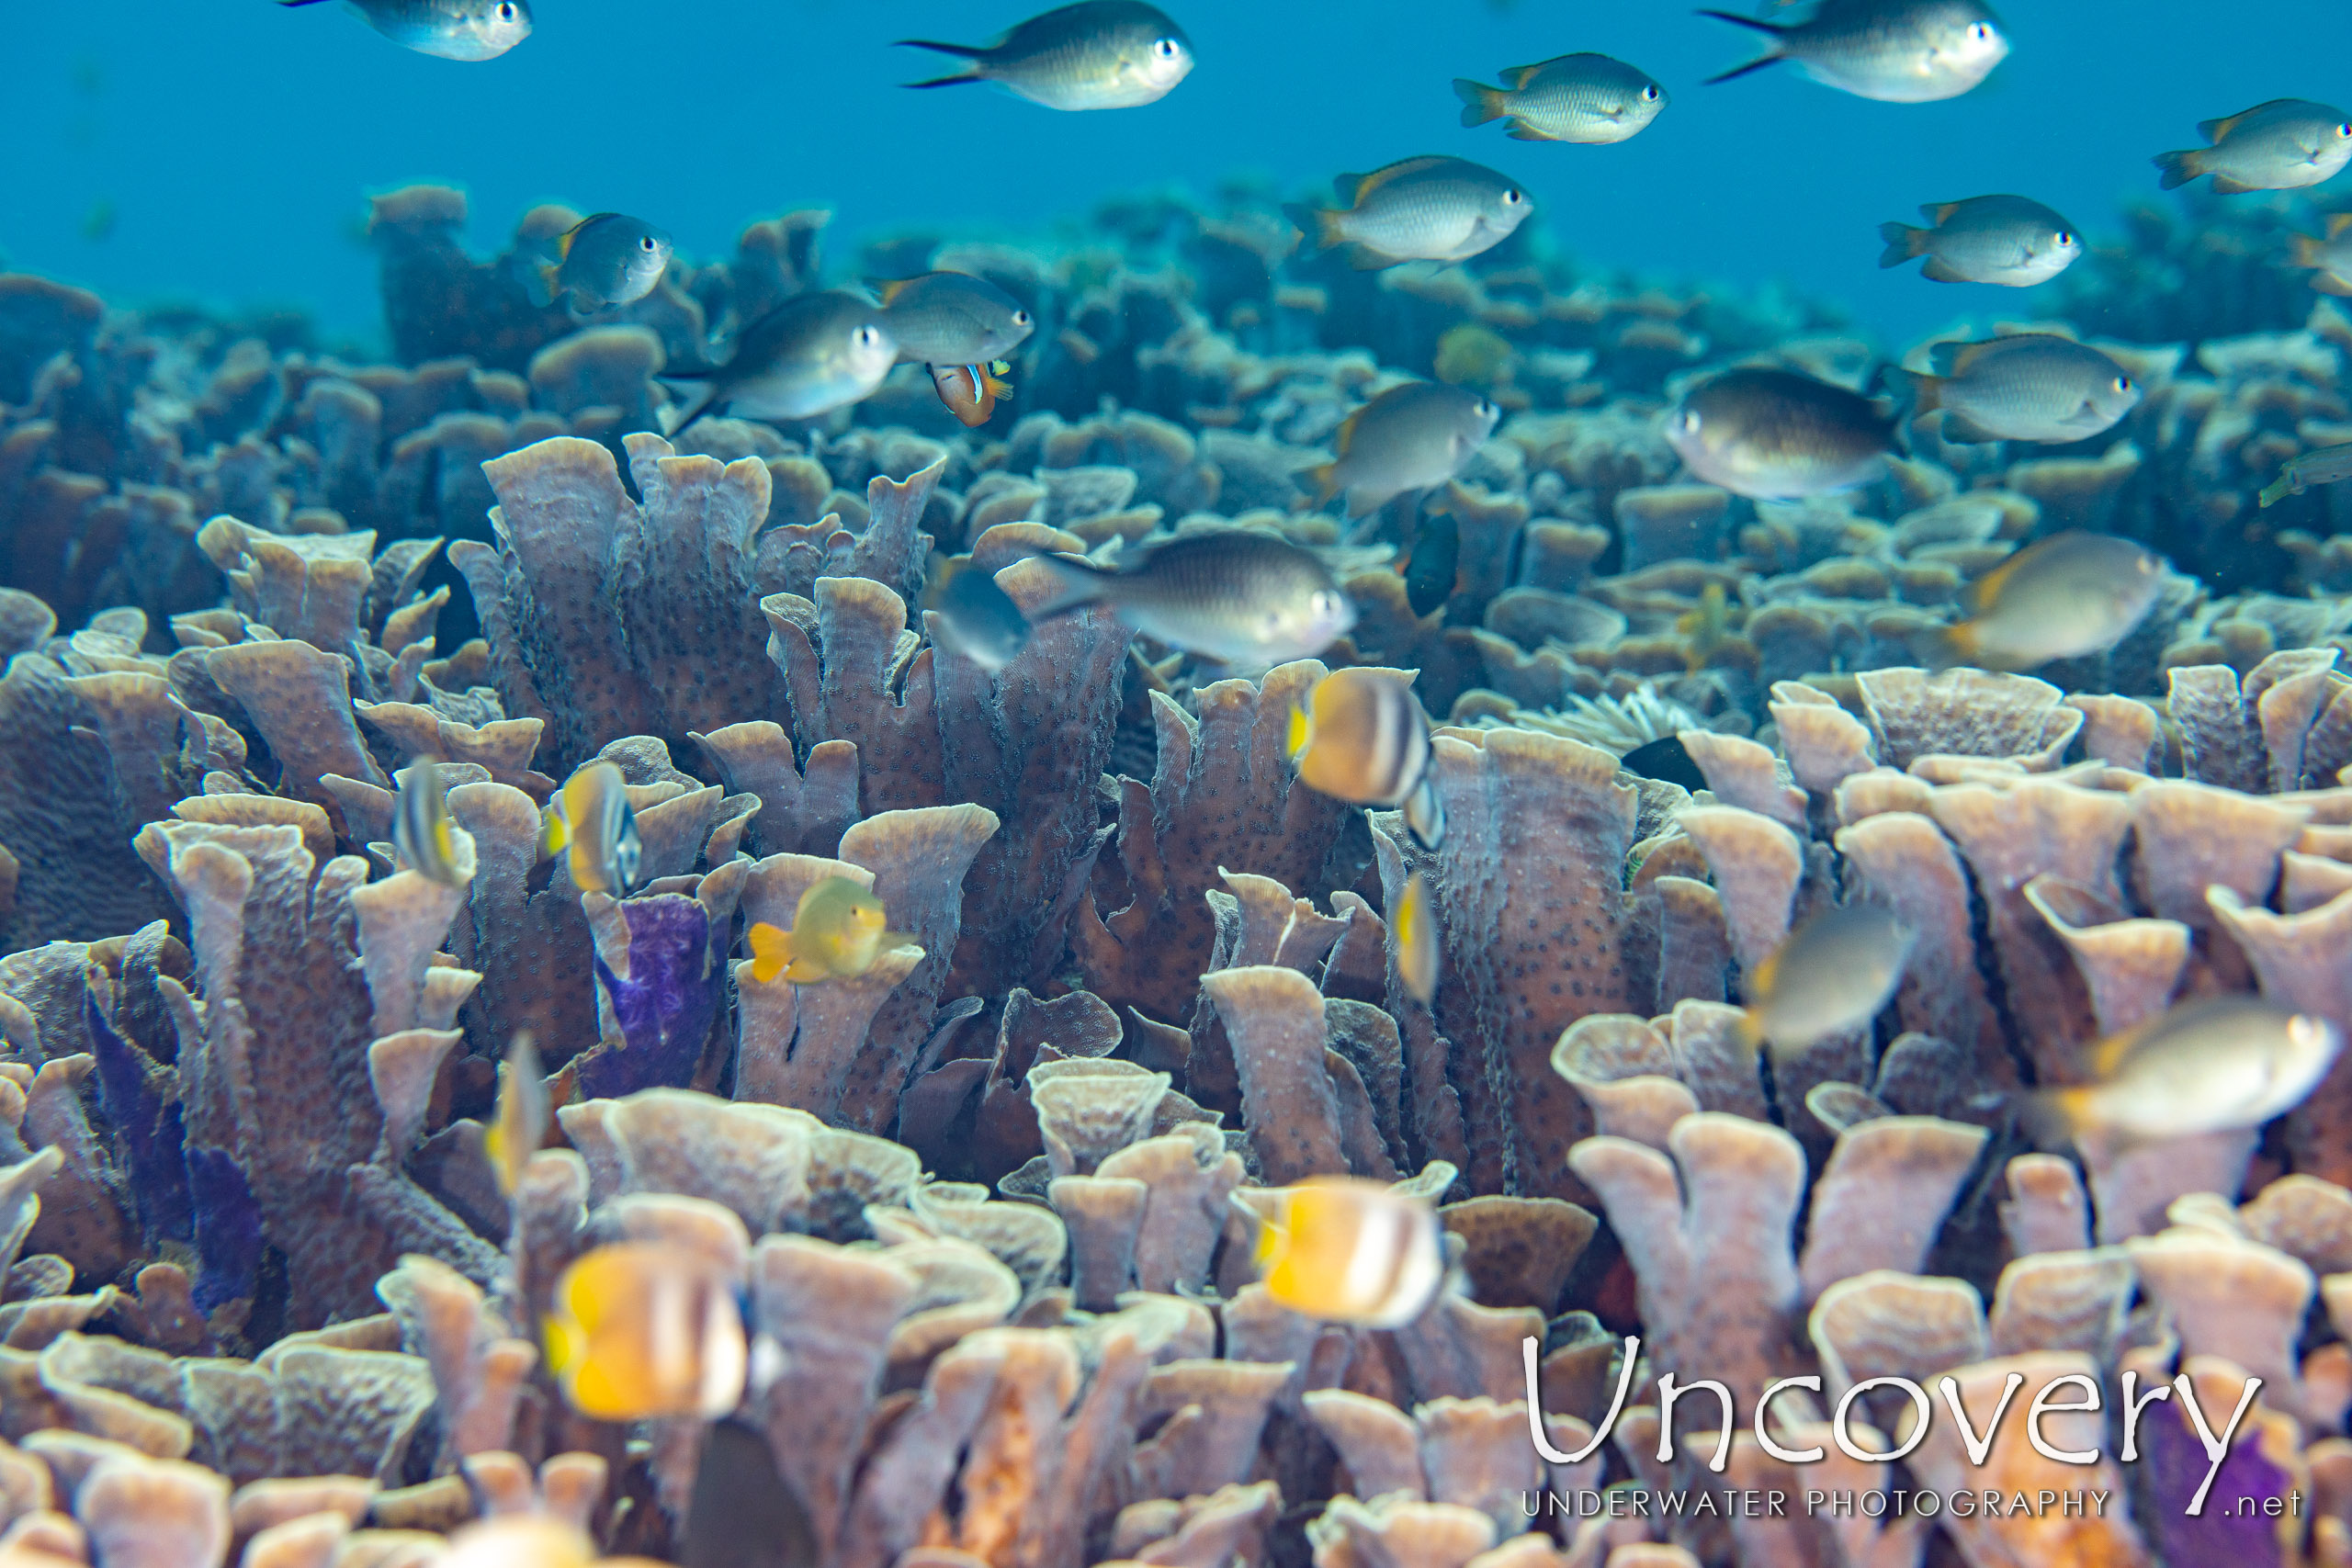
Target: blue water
x,y
233,141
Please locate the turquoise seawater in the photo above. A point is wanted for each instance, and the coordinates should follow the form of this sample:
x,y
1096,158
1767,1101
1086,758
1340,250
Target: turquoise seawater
x,y
222,150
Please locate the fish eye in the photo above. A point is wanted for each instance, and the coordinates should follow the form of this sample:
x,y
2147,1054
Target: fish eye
x,y
1512,197
2344,130
1981,31
1687,421
1167,48
2123,383
1020,318
649,244
869,337
506,11
2064,238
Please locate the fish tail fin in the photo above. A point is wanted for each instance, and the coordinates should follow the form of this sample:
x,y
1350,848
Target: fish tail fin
x,y
1941,647
540,284
1325,478
707,405
1770,29
1748,1027
2278,489
992,378
2179,168
1480,103
971,72
1902,244
1320,225
2051,1116
771,951
1425,814
1914,393
555,833
1082,584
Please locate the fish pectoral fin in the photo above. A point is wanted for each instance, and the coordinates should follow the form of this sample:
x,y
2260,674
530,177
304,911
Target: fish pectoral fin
x,y
900,939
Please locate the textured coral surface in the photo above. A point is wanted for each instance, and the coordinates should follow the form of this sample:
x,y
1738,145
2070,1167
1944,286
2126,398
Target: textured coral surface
x,y
263,1297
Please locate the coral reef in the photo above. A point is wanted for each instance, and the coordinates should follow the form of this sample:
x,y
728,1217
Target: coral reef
x,y
265,1289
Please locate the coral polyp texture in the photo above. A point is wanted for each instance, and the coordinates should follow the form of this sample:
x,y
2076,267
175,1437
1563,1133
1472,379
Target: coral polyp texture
x,y
277,1263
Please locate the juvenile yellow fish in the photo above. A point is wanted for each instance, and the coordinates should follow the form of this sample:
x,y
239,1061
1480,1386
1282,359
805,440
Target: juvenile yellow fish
x,y
1410,437
2071,594
640,1331
1097,54
589,819
522,1121
422,832
1347,1250
1576,97
2021,386
2201,1066
1235,594
2005,240
1776,435
2330,257
1898,51
2284,144
1418,954
450,29
1831,975
837,933
1363,737
2322,466
1429,208
953,319
812,354
602,261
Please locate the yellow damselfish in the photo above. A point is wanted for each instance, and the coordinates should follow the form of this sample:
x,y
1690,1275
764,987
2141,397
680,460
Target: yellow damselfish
x,y
837,930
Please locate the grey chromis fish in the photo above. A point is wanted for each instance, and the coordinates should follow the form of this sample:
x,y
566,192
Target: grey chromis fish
x,y
809,356
602,261
952,317
1830,975
1898,51
2325,465
2330,259
1428,208
451,30
1363,737
2281,145
975,618
1410,437
589,822
2062,597
1576,97
2007,240
1097,54
1234,594
2203,1066
2024,387
422,832
1776,435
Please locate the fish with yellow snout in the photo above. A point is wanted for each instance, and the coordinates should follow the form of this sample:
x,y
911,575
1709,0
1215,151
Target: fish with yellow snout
x,y
839,929
1347,1250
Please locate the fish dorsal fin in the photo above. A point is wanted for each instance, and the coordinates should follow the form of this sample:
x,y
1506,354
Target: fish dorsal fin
x,y
1940,212
2337,222
2213,130
1517,77
1348,187
1356,188
1953,358
1345,437
2106,1058
891,289
1985,592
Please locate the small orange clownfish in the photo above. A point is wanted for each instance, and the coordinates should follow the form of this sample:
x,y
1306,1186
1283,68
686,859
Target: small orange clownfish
x,y
970,392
